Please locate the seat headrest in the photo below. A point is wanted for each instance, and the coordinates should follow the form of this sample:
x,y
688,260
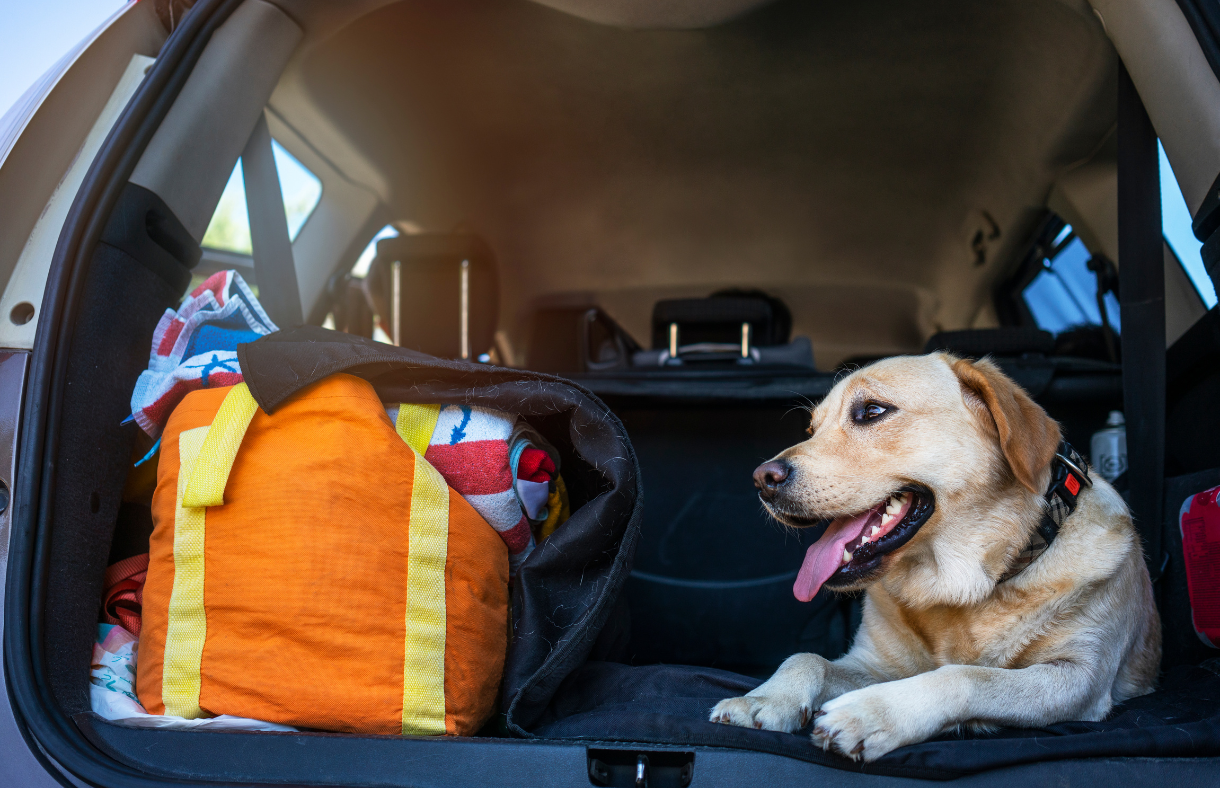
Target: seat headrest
x,y
430,292
718,318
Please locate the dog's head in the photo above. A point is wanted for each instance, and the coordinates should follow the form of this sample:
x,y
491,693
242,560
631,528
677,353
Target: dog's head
x,y
927,467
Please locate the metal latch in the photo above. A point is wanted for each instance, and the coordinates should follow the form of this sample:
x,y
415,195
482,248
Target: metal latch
x,y
640,769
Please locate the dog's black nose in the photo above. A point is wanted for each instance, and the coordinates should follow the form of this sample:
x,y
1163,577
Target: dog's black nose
x,y
769,476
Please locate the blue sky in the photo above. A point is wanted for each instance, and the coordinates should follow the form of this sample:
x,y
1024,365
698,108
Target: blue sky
x,y
36,33
1175,222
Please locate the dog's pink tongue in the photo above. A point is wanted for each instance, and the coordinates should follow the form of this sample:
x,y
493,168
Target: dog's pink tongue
x,y
825,555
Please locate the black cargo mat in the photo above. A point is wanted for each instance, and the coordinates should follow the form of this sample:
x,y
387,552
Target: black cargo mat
x,y
663,704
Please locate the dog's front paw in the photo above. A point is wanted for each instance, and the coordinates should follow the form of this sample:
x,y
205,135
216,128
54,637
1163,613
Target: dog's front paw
x,y
785,713
867,723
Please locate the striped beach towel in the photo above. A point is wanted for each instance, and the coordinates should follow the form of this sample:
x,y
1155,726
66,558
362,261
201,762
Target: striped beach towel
x,y
500,465
195,347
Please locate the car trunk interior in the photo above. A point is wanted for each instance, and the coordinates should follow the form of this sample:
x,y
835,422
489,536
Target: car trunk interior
x,y
882,167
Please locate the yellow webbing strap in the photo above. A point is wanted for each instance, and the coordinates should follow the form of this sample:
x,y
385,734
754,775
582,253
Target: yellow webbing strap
x,y
206,485
187,625
423,669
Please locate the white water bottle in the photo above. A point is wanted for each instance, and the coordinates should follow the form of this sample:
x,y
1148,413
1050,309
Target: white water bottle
x,y
1110,447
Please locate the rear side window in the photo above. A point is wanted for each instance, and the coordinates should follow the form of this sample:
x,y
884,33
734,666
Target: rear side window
x,y
1063,294
229,230
361,268
1176,225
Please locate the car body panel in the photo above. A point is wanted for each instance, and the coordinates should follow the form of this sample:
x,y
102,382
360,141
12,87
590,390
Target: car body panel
x,y
47,142
18,764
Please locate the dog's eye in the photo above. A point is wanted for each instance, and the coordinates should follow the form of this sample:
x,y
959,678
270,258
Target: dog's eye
x,y
867,412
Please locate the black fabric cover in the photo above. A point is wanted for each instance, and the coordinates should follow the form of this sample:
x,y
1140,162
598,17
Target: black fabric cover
x,y
666,704
123,298
712,579
1192,375
567,589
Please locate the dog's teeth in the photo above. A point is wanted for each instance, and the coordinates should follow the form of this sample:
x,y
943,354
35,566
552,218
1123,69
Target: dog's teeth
x,y
846,556
895,503
876,530
864,539
886,519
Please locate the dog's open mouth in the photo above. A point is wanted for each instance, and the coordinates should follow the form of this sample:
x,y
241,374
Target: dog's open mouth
x,y
854,545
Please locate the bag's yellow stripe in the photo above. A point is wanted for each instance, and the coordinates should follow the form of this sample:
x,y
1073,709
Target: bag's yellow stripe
x,y
187,625
423,669
416,423
206,486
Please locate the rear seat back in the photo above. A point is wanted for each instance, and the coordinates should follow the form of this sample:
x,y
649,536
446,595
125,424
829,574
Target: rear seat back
x,y
976,343
713,573
567,340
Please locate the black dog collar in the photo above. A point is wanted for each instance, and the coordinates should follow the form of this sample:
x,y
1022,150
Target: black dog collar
x,y
1069,475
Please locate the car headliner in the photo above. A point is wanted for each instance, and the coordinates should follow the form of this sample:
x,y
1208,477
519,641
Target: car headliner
x,y
841,155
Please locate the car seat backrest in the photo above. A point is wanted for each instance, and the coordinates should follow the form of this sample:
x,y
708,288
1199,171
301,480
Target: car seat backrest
x,y
712,579
566,340
978,342
448,293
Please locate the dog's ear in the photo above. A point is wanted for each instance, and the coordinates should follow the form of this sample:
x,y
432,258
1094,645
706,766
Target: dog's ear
x,y
1028,437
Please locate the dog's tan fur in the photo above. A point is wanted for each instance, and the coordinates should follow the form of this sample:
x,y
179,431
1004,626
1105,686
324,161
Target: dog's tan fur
x,y
942,644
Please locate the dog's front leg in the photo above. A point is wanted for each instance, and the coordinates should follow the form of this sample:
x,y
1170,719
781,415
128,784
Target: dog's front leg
x,y
867,723
787,700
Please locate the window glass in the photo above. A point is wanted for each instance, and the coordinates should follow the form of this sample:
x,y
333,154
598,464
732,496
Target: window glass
x,y
361,268
1175,223
302,189
229,229
1064,293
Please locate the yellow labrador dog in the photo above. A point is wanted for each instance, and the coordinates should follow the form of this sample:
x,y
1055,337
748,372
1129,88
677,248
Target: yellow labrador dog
x,y
1004,585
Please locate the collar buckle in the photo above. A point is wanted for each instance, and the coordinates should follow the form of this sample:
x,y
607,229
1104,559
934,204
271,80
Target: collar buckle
x,y
1068,473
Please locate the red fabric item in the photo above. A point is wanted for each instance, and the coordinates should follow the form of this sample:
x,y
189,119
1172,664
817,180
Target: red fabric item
x,y
123,594
474,467
535,466
171,336
1199,520
518,536
159,411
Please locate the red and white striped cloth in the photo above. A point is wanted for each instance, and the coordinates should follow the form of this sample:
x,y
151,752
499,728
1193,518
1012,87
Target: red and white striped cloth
x,y
195,347
500,466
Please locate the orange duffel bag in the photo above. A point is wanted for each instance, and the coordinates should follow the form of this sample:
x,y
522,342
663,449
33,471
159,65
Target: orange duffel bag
x,y
310,568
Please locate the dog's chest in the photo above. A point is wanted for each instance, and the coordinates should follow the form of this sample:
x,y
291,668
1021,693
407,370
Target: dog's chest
x,y
997,633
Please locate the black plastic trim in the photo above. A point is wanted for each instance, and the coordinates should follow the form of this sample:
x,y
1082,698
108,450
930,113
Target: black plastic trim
x,y
1203,16
337,759
144,227
1010,305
